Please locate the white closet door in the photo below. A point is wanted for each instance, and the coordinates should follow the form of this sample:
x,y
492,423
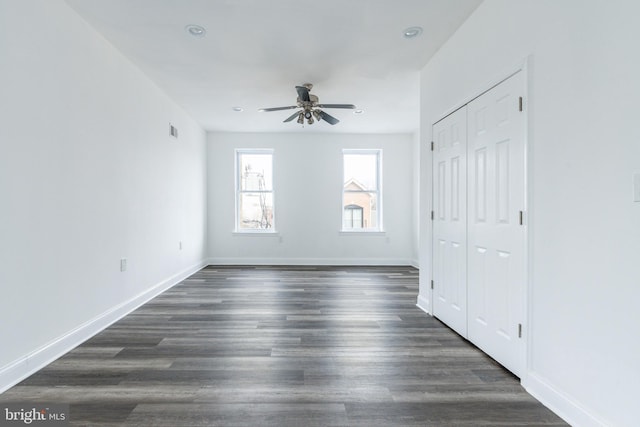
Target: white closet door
x,y
450,220
496,238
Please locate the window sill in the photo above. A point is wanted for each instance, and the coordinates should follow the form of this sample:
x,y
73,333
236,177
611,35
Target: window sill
x,y
362,233
256,233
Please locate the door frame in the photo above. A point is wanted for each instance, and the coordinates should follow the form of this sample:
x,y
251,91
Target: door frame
x,y
527,297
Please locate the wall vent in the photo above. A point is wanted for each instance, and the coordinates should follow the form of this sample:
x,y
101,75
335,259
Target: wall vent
x,y
173,131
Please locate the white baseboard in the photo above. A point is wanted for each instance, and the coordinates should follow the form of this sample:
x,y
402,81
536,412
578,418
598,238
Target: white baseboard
x,y
27,365
311,261
423,304
564,406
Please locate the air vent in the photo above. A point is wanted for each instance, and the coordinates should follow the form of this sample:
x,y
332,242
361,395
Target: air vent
x,y
173,131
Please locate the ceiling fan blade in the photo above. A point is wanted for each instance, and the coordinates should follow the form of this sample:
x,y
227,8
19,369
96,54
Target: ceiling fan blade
x,y
293,116
327,118
345,106
303,93
264,110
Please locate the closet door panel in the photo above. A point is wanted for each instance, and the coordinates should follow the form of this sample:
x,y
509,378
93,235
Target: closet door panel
x,y
496,238
450,220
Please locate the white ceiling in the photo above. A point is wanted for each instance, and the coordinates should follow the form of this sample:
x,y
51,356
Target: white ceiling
x,y
256,51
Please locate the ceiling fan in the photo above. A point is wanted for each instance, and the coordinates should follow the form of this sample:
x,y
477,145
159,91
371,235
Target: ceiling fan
x,y
309,107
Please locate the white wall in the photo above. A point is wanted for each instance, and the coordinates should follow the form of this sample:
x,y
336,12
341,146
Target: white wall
x,y
584,146
308,184
88,175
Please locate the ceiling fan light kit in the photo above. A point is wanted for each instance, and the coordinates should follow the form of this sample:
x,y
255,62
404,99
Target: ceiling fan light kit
x,y
310,107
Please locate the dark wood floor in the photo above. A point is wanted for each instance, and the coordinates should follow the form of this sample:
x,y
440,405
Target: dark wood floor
x,y
298,346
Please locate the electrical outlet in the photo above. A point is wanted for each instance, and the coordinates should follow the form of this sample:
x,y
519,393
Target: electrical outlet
x,y
123,264
180,245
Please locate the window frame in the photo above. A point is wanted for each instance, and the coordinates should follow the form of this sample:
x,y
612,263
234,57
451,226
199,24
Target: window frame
x,y
378,191
238,152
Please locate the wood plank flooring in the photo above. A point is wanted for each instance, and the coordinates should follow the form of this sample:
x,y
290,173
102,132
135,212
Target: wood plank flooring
x,y
284,346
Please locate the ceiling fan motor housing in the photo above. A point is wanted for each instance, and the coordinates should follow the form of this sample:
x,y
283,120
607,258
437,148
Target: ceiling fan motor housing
x,y
311,103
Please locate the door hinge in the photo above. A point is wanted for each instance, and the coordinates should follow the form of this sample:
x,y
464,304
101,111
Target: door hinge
x,y
433,215
519,330
432,284
521,218
520,106
433,146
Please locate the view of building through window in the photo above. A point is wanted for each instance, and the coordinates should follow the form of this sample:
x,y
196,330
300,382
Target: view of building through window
x,y
254,190
361,190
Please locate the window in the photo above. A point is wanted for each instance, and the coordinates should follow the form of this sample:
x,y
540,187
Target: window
x,y
254,191
352,216
361,190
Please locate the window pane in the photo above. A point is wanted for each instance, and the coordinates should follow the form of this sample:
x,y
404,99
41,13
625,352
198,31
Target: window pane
x,y
256,172
360,211
255,211
360,172
352,217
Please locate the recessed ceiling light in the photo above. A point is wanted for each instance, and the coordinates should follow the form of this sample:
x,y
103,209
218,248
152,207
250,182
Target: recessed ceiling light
x,y
358,111
412,32
195,30
238,109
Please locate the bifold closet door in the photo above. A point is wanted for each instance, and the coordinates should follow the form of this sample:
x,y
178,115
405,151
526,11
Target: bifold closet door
x,y
496,236
450,220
